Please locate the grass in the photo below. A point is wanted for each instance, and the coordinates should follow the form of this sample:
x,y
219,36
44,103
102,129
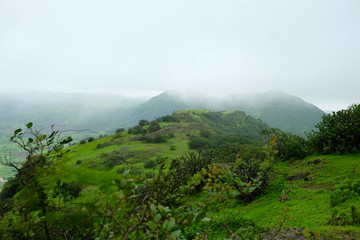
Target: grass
x,y
309,204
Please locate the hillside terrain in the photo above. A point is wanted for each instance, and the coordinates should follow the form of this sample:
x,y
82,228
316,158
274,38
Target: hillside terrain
x,y
194,174
276,108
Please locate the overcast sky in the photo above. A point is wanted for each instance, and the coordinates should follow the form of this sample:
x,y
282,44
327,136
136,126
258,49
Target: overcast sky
x,y
309,48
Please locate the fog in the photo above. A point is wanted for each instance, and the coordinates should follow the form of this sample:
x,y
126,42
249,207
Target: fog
x,y
141,48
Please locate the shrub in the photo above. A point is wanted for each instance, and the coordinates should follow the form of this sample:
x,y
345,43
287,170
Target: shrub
x,y
205,133
90,139
150,163
136,130
196,142
154,126
344,191
172,147
119,130
168,118
82,141
143,122
288,145
338,132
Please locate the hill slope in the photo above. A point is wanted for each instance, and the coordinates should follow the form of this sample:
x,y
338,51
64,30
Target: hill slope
x,y
276,108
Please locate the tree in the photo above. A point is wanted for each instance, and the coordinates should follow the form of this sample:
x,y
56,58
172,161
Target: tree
x,y
338,132
41,151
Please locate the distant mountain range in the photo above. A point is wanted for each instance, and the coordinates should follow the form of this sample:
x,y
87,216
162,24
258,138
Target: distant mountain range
x,y
101,112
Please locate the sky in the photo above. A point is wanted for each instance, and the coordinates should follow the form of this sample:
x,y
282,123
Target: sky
x,y
308,48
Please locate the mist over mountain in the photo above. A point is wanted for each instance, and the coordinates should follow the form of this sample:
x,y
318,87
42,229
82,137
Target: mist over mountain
x,y
100,112
65,110
278,109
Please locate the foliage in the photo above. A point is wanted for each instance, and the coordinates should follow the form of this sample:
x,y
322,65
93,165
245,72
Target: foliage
x,y
150,164
342,218
90,139
42,150
143,122
154,126
338,132
344,191
136,130
288,145
197,142
156,138
119,130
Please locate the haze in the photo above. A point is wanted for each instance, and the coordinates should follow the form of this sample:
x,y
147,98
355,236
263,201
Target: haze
x,y
306,48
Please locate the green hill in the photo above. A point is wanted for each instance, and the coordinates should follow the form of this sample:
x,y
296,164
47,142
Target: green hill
x,y
276,108
145,183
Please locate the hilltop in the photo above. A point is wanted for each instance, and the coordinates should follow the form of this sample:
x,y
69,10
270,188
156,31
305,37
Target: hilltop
x,y
276,108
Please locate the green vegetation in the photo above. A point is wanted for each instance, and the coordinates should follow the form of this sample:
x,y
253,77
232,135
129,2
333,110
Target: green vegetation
x,y
338,132
125,186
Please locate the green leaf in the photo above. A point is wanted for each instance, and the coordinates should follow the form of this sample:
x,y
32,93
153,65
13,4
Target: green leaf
x,y
200,217
175,234
153,208
157,218
29,125
169,224
125,173
17,131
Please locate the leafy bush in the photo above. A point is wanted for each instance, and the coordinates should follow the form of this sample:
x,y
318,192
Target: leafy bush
x,y
205,133
288,145
168,118
150,163
338,132
143,122
172,147
344,191
90,139
119,130
136,130
342,218
154,126
196,142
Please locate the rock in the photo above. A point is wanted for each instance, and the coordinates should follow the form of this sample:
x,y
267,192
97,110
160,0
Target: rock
x,y
317,161
297,176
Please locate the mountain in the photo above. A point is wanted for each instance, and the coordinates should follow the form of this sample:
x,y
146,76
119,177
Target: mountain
x,y
100,112
278,109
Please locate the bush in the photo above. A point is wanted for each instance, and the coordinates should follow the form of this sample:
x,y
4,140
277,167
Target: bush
x,y
119,130
150,164
196,142
168,118
205,133
136,130
344,191
90,139
154,126
172,147
289,146
338,132
82,141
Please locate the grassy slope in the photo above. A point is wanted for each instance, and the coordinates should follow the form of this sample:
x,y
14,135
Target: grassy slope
x,y
309,200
